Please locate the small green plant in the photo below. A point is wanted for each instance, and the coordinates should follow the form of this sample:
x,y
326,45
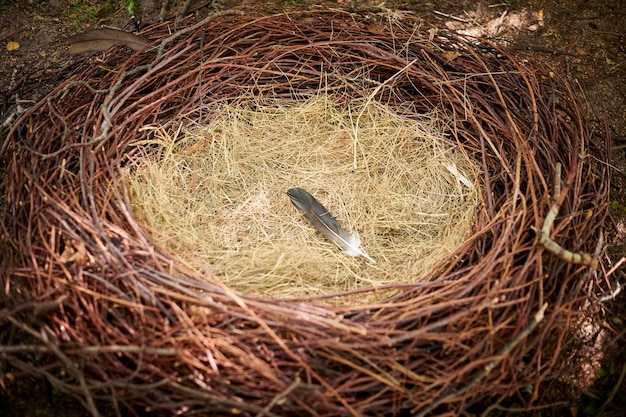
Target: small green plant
x,y
85,11
590,409
616,205
130,6
607,369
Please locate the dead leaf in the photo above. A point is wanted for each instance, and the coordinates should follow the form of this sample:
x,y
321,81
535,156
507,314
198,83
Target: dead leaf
x,y
459,178
12,46
450,55
75,252
101,39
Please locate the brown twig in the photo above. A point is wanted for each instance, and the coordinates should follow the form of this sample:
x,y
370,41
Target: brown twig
x,y
544,233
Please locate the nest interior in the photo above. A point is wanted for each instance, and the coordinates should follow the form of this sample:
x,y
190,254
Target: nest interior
x,y
216,193
116,316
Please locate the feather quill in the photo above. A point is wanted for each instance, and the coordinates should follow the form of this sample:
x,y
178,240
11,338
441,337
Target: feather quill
x,y
326,224
101,39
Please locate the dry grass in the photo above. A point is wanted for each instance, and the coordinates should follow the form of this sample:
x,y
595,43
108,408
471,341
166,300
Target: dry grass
x,y
216,194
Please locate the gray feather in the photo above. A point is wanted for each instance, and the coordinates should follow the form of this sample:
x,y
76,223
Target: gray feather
x,y
325,223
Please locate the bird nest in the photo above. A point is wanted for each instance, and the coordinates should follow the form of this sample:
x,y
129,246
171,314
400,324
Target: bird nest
x,y
97,301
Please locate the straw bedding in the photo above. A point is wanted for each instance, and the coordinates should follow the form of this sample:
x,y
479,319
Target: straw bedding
x,y
114,315
216,194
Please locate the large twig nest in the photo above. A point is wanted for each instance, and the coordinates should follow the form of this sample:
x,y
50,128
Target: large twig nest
x,y
131,322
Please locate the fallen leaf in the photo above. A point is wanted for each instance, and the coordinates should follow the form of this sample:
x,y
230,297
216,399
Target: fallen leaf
x,y
452,168
75,252
12,46
450,55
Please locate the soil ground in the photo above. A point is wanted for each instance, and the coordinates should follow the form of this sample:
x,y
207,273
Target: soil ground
x,y
586,40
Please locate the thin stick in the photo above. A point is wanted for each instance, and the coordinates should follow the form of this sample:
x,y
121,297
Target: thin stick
x,y
295,384
544,234
449,16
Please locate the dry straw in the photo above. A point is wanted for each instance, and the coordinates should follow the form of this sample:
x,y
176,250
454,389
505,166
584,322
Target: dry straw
x,y
103,305
215,194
